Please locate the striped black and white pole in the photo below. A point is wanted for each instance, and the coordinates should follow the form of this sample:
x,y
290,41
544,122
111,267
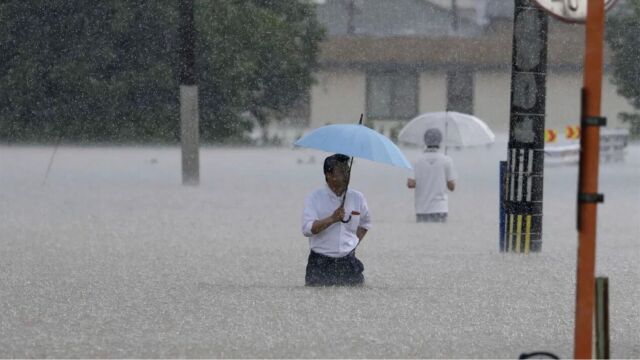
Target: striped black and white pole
x,y
189,131
525,156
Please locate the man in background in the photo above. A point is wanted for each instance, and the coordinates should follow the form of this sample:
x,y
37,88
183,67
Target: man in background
x,y
434,176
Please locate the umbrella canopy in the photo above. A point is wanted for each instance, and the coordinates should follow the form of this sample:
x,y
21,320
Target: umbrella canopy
x,y
457,128
355,141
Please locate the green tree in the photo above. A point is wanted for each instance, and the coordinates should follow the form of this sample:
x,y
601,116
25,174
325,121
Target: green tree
x,y
253,56
107,71
623,36
84,71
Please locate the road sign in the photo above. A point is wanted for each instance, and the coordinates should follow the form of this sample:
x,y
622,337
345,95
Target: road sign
x,y
574,11
572,132
550,135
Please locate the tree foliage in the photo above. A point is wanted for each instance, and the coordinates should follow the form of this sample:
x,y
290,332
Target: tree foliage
x,y
266,48
107,71
623,37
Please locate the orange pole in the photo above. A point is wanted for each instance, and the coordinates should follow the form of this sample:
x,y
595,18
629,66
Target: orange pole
x,y
588,182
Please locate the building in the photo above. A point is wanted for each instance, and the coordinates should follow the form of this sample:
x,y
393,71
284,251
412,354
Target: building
x,y
393,60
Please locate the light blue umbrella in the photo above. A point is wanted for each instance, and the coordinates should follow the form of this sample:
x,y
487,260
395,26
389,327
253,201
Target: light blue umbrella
x,y
356,141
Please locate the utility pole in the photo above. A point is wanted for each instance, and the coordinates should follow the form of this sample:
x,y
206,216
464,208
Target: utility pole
x,y
588,196
454,16
351,14
189,131
591,12
525,156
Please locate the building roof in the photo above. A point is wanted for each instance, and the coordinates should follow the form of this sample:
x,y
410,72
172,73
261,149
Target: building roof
x,y
420,34
489,50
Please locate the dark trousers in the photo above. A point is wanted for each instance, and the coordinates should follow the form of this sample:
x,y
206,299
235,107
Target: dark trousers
x,y
433,217
327,271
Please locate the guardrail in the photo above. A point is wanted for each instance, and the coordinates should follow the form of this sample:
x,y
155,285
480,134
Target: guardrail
x,y
613,143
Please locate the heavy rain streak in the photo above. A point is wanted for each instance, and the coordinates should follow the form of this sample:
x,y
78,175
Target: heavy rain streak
x,y
319,179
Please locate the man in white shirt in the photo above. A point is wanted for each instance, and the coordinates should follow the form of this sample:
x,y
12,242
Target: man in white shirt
x,y
434,175
335,228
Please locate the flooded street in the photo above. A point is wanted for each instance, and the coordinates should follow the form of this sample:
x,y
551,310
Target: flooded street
x,y
112,257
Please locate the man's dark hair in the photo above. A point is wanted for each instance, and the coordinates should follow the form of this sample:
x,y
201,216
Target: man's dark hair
x,y
333,160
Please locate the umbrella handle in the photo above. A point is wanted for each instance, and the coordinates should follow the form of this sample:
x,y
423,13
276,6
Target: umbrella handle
x,y
344,197
348,180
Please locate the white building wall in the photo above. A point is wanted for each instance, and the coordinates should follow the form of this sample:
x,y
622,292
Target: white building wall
x,y
337,97
340,97
563,102
491,99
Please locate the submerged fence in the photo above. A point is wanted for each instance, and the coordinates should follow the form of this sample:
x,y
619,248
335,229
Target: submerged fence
x,y
613,143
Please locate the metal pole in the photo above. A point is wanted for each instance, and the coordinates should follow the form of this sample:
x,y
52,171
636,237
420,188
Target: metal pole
x,y
602,318
351,14
189,131
502,243
525,156
454,16
588,196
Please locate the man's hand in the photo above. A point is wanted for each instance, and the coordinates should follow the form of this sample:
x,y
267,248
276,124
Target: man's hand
x,y
411,183
320,225
451,185
360,233
338,214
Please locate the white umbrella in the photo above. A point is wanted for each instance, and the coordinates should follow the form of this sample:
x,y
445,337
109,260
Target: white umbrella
x,y
458,129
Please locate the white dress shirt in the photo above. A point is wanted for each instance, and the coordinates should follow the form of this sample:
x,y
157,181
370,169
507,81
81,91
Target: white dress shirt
x,y
432,171
338,239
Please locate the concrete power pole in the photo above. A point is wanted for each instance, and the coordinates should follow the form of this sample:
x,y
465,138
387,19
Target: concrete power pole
x,y
525,157
189,131
454,16
351,17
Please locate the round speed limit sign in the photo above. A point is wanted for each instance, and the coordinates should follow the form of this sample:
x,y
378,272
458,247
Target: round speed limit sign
x,y
569,10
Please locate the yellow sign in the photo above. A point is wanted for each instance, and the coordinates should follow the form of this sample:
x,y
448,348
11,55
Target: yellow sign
x,y
550,135
572,132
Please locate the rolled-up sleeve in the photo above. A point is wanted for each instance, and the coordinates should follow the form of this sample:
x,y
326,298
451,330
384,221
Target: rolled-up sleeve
x,y
309,216
450,170
365,217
